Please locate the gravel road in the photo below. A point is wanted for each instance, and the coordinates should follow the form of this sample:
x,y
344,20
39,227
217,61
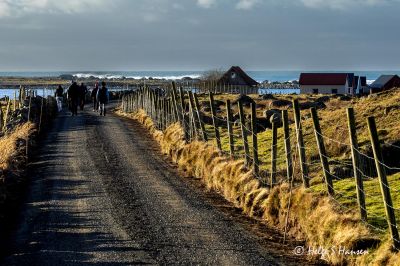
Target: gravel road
x,y
103,194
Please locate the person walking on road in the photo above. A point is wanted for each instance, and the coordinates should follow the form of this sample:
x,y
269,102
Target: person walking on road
x,y
94,97
59,97
73,98
102,97
82,95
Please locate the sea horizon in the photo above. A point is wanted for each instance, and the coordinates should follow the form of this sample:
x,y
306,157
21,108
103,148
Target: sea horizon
x,y
258,75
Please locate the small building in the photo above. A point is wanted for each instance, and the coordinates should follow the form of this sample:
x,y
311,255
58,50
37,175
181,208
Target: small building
x,y
238,81
361,86
385,82
326,83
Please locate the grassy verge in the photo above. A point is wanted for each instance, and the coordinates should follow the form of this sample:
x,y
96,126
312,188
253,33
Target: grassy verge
x,y
320,220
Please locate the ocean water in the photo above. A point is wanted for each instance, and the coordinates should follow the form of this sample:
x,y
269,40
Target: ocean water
x,y
260,76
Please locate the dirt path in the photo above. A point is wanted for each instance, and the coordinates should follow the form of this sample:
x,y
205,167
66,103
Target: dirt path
x,y
102,194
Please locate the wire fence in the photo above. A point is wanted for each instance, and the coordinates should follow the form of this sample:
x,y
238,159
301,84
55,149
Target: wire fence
x,y
279,150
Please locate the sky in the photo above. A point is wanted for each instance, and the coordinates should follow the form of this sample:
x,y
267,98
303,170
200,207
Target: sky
x,y
71,35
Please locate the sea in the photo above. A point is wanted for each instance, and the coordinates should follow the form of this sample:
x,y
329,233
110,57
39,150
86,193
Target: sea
x,y
260,76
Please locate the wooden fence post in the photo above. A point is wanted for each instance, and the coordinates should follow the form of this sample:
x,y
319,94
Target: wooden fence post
x,y
300,143
41,115
177,115
230,129
385,189
244,134
202,128
256,168
322,152
193,114
356,163
15,101
8,110
214,114
1,118
274,152
185,118
288,151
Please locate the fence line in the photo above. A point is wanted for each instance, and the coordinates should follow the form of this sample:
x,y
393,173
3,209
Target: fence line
x,y
288,152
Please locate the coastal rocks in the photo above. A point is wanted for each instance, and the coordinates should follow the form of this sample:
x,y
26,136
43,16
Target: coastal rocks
x,y
280,103
323,99
308,105
244,99
340,171
267,97
273,115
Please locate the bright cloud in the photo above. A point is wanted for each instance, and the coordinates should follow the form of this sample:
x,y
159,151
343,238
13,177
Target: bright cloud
x,y
206,3
9,8
246,4
343,4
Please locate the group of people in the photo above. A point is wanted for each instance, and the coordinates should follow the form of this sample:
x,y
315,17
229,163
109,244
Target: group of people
x,y
76,96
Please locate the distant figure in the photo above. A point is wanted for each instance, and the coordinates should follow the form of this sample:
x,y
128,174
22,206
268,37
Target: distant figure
x,y
82,95
59,97
94,97
102,97
73,98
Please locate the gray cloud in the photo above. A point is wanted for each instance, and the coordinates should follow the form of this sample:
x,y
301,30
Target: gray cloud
x,y
181,34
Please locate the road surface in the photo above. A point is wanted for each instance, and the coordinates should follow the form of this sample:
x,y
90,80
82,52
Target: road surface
x,y
101,193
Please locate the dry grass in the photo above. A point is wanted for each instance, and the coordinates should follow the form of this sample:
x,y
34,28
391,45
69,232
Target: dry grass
x,y
313,216
8,144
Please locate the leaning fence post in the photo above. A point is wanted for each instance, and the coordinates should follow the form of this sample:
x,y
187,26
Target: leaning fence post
x,y
185,118
356,163
1,118
202,128
214,114
274,152
322,152
194,115
256,168
177,115
288,148
385,189
7,114
41,115
300,143
230,129
244,134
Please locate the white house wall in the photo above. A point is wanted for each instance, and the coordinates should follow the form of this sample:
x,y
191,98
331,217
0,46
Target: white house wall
x,y
323,89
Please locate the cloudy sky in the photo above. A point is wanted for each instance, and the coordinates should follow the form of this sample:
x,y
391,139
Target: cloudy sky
x,y
199,34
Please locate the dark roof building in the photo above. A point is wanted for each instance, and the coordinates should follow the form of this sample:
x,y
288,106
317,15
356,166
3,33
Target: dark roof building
x,y
385,82
237,77
324,79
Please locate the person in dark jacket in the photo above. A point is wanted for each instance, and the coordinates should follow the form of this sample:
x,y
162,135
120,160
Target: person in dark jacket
x,y
82,95
102,97
59,97
73,98
94,97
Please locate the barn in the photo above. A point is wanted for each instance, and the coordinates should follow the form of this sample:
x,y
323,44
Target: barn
x,y
326,83
238,81
385,82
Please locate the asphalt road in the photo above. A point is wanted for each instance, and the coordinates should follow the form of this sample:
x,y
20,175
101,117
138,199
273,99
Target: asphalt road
x,y
101,193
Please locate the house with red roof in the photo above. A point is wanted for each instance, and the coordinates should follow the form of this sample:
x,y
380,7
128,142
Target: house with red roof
x,y
327,83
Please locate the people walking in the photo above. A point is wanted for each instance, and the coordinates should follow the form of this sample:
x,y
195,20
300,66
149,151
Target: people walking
x,y
102,97
94,97
73,98
59,97
82,95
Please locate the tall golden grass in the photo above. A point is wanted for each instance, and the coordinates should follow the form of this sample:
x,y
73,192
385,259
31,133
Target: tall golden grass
x,y
8,144
313,217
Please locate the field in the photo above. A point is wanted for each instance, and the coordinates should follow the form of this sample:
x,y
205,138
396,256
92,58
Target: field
x,y
321,220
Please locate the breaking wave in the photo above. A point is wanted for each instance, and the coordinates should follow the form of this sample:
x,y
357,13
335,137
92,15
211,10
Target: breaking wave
x,y
113,76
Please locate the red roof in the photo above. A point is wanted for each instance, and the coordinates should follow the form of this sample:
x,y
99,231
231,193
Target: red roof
x,y
323,78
